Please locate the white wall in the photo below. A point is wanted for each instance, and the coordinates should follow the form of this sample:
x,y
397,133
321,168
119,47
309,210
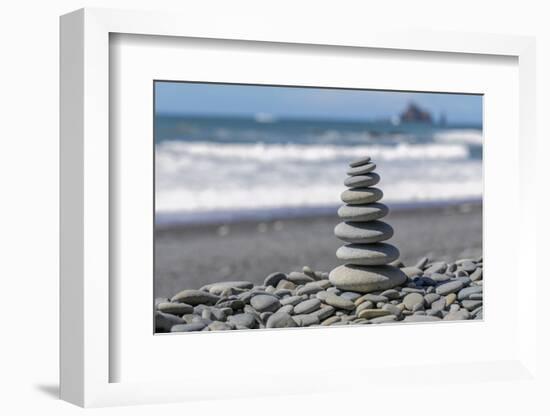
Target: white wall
x,y
29,176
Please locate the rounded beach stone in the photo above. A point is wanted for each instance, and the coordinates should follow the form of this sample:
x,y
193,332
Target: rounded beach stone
x,y
395,310
359,162
440,277
308,271
366,279
195,297
465,280
413,299
321,275
423,282
218,314
477,274
175,308
234,304
292,300
246,320
369,255
450,299
219,326
358,196
371,297
264,316
299,278
362,213
207,315
195,326
373,313
309,288
451,268
411,271
438,267
165,321
339,302
307,319
307,306
390,294
281,293
383,319
450,287
363,232
422,318
418,307
361,170
365,305
353,296
285,284
265,303
471,304
464,293
421,264
460,273
274,278
249,309
431,298
322,295
459,315
218,288
188,318
433,312
324,283
158,301
468,266
287,308
412,289
331,320
325,312
280,320
369,179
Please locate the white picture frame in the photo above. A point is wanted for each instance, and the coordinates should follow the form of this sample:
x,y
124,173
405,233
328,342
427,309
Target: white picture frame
x,y
89,296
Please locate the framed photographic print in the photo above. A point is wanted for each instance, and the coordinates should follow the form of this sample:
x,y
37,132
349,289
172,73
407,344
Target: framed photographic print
x,y
289,205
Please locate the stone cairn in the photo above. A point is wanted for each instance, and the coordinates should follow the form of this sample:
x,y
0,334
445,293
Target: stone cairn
x,y
367,258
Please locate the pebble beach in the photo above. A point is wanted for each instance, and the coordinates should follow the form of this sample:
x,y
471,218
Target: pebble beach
x,y
434,291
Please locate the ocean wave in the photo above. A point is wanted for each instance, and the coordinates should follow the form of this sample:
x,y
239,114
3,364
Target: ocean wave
x,y
168,151
193,177
466,136
259,197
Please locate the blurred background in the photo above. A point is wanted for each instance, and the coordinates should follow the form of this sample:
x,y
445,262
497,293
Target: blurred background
x,y
248,178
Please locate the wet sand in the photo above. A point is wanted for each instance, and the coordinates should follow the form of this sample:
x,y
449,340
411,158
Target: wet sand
x,y
188,257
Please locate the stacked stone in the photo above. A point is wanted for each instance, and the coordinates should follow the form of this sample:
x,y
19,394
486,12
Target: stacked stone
x,y
367,257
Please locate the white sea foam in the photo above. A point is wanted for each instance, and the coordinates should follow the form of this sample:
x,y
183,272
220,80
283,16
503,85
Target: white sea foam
x,y
181,152
466,136
200,176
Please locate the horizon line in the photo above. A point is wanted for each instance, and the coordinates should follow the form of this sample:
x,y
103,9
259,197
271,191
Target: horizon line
x,y
306,117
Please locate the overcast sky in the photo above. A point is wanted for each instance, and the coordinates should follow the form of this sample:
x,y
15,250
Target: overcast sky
x,y
247,100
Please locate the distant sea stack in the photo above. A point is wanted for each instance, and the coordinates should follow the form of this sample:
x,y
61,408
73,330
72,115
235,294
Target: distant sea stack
x,y
414,114
366,255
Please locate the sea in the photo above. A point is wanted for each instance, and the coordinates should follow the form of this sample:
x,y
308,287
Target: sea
x,y
223,169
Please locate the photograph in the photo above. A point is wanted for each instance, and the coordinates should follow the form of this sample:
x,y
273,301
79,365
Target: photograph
x,y
279,206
